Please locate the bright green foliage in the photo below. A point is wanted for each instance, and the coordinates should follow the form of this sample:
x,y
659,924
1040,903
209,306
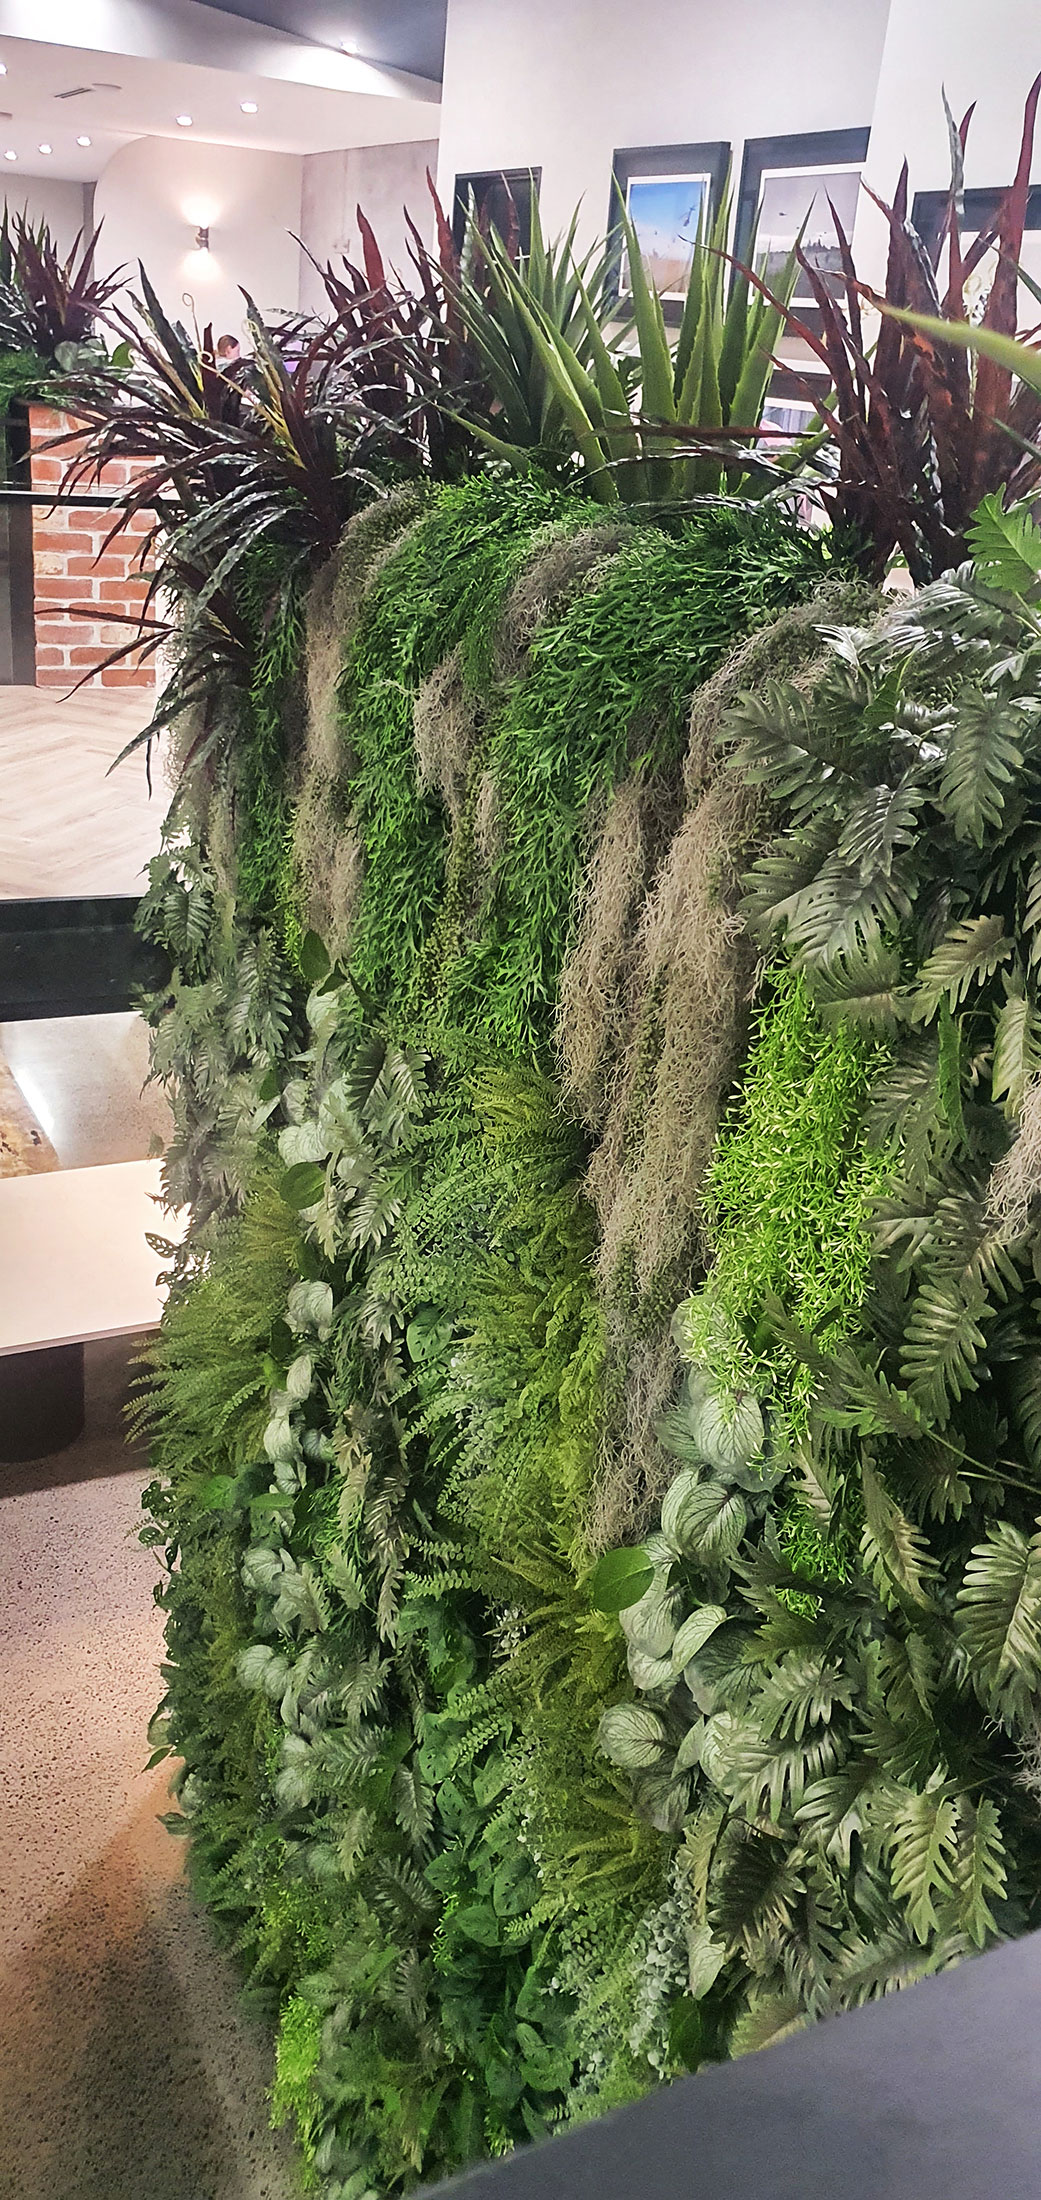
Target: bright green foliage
x,y
788,1198
444,585
607,692
841,1756
380,1388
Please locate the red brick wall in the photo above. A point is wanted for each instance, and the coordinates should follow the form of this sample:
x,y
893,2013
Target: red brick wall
x,y
70,571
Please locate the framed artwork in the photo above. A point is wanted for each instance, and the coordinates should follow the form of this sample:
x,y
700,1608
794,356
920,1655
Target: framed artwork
x,y
790,184
490,190
977,208
668,190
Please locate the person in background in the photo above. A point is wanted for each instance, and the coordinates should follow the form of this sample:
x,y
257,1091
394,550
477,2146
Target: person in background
x,y
229,352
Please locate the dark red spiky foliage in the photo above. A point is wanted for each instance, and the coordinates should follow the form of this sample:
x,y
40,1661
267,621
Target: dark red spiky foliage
x,y
920,431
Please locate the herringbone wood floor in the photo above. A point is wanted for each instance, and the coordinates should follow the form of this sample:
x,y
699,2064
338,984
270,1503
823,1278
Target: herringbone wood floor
x,y
66,828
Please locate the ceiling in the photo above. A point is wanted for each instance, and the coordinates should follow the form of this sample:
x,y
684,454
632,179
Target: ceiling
x,y
402,34
54,95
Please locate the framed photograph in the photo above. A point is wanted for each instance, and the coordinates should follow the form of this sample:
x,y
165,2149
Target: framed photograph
x,y
667,190
977,208
788,185
491,191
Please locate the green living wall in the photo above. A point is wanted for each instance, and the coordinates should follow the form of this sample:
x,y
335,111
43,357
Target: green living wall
x,y
597,1420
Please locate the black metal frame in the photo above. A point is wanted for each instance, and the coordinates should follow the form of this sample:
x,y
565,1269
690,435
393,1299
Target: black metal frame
x,y
523,186
977,208
809,149
631,162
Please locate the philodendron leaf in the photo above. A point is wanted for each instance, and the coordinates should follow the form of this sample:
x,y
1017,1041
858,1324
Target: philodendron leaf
x,y
632,1735
648,1673
299,1378
686,2033
689,1752
700,1516
314,959
303,1185
694,1634
728,1430
621,1578
650,1624
310,1306
478,1922
705,1959
302,1142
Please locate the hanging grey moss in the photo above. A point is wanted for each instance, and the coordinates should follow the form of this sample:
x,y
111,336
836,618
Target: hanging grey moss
x,y
325,852
655,999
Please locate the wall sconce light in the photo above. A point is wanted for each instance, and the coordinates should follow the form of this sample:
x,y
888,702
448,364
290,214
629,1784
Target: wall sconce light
x,y
202,237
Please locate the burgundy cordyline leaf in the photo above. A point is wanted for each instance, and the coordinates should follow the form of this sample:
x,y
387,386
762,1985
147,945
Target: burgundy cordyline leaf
x,y
993,383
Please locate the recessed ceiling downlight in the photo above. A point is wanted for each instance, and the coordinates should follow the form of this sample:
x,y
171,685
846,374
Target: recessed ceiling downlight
x,y
248,106
3,68
45,148
83,141
10,155
184,122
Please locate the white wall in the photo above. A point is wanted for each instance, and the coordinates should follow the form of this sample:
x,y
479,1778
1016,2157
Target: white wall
x,y
561,83
989,56
156,191
65,207
382,179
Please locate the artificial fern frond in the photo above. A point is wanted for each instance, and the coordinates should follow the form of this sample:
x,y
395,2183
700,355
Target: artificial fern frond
x,y
983,757
943,1342
880,823
999,1620
870,1969
980,1867
1005,545
757,1885
863,984
1025,1387
833,1810
802,1690
895,1553
768,1773
1017,1052
768,2019
843,911
969,952
780,743
776,882
923,1841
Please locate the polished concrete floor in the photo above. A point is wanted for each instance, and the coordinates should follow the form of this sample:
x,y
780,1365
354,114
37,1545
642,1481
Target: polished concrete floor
x,y
128,2070
84,1079
68,827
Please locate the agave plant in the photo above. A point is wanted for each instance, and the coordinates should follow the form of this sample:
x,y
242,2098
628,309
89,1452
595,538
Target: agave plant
x,y
559,378
535,322
921,436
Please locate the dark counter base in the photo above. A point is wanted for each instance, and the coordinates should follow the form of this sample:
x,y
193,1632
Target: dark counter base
x,y
41,1401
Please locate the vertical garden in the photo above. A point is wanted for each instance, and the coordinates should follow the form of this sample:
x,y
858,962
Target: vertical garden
x,y
596,1422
